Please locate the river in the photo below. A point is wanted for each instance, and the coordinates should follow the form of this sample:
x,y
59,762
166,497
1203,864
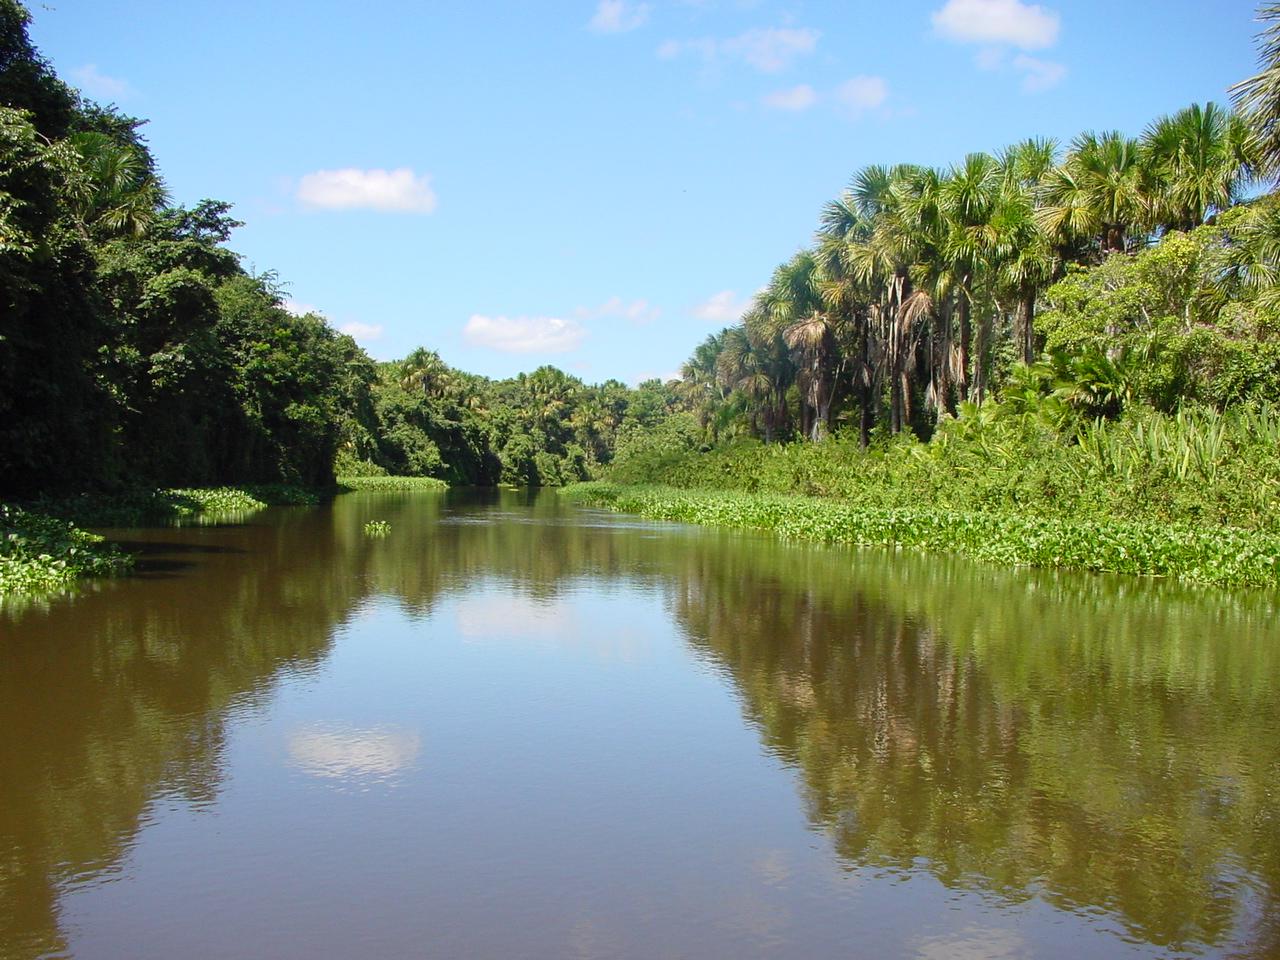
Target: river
x,y
515,728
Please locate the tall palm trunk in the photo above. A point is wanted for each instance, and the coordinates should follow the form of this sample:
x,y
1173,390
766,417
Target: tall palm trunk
x,y
866,412
897,353
1026,331
941,360
963,308
980,358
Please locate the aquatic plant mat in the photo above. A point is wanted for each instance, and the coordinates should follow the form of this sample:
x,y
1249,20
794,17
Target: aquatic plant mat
x,y
1220,555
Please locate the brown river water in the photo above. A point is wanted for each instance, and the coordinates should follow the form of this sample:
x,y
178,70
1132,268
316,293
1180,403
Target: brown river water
x,y
515,728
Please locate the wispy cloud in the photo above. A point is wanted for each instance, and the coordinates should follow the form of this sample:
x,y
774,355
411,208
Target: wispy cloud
x,y
524,334
794,99
364,332
862,93
768,49
638,312
1038,75
98,85
399,190
1023,25
722,307
618,16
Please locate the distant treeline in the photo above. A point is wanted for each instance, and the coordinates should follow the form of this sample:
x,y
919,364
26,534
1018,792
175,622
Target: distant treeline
x,y
135,349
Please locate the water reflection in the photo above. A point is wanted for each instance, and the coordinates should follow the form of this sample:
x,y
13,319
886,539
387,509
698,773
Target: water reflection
x,y
354,756
1105,748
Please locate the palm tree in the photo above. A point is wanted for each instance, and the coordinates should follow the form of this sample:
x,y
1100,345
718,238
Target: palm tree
x,y
700,387
1103,192
116,193
968,199
1203,158
757,370
1258,97
882,261
423,370
793,308
1027,260
849,301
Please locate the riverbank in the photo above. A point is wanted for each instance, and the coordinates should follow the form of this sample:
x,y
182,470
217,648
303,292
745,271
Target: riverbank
x,y
44,545
1224,556
39,553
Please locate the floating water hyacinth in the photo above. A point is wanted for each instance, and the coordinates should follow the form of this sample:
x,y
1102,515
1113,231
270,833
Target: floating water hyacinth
x,y
392,483
1210,554
377,528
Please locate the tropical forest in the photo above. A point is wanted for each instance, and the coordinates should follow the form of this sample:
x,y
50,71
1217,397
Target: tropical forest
x,y
927,608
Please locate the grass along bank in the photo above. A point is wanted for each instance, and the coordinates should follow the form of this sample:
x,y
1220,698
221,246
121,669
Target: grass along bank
x,y
1218,555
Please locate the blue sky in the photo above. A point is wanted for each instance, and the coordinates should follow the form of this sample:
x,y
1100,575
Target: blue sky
x,y
595,184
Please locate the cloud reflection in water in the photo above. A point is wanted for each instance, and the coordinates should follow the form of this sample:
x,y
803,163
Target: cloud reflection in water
x,y
353,755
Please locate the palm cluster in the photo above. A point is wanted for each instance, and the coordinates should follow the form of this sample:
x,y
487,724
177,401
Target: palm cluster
x,y
922,284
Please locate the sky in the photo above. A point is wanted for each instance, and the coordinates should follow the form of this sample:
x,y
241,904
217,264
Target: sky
x,y
595,184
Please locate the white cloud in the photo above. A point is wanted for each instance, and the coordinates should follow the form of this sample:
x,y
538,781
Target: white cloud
x,y
618,16
797,98
524,334
1023,25
362,331
1038,75
768,50
638,312
863,93
772,49
300,309
722,307
399,190
98,85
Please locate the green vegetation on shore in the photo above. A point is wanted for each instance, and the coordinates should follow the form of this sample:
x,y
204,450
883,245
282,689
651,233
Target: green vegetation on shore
x,y
1209,555
40,553
43,545
1196,466
140,505
389,483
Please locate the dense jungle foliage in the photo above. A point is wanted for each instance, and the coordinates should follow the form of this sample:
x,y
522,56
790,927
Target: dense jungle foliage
x,y
136,350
